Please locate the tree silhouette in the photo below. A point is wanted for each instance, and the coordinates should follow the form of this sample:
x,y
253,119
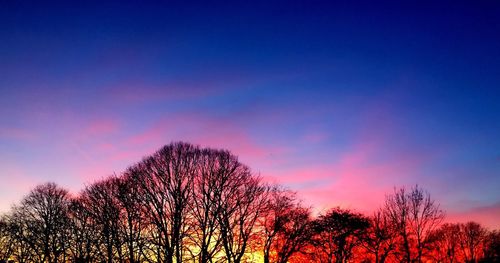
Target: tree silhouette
x,y
200,202
184,203
243,202
132,217
446,243
83,242
6,242
472,237
492,247
415,215
104,209
40,223
285,226
381,239
165,180
226,204
206,194
338,233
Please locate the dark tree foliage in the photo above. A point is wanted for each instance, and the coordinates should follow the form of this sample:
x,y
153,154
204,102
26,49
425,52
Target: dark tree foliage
x,y
446,243
492,247
6,242
381,238
23,251
469,242
473,236
338,233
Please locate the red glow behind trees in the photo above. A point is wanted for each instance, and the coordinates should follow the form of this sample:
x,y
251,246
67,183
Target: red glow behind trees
x,y
190,204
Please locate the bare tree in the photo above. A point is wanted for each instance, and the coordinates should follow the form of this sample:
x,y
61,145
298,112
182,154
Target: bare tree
x,y
132,216
41,222
243,199
205,206
83,241
186,203
23,240
165,181
397,207
416,215
104,211
280,204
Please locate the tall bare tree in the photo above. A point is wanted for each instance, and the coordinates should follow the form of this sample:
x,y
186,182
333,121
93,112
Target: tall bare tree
x,y
416,215
206,205
242,201
165,181
132,217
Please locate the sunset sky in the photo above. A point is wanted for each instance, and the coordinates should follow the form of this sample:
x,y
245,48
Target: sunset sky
x,y
340,102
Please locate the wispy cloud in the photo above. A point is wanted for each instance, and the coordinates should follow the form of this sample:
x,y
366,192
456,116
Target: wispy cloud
x,y
11,133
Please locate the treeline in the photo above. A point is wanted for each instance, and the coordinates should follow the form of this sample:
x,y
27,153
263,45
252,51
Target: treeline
x,y
190,204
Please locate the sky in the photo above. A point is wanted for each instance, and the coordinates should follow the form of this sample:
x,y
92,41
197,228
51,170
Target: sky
x,y
339,101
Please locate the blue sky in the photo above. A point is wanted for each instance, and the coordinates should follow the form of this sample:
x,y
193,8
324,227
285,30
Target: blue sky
x,y
340,101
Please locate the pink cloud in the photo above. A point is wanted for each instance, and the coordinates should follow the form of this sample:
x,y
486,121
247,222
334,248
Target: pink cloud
x,y
373,166
355,181
487,215
361,177
90,142
301,175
